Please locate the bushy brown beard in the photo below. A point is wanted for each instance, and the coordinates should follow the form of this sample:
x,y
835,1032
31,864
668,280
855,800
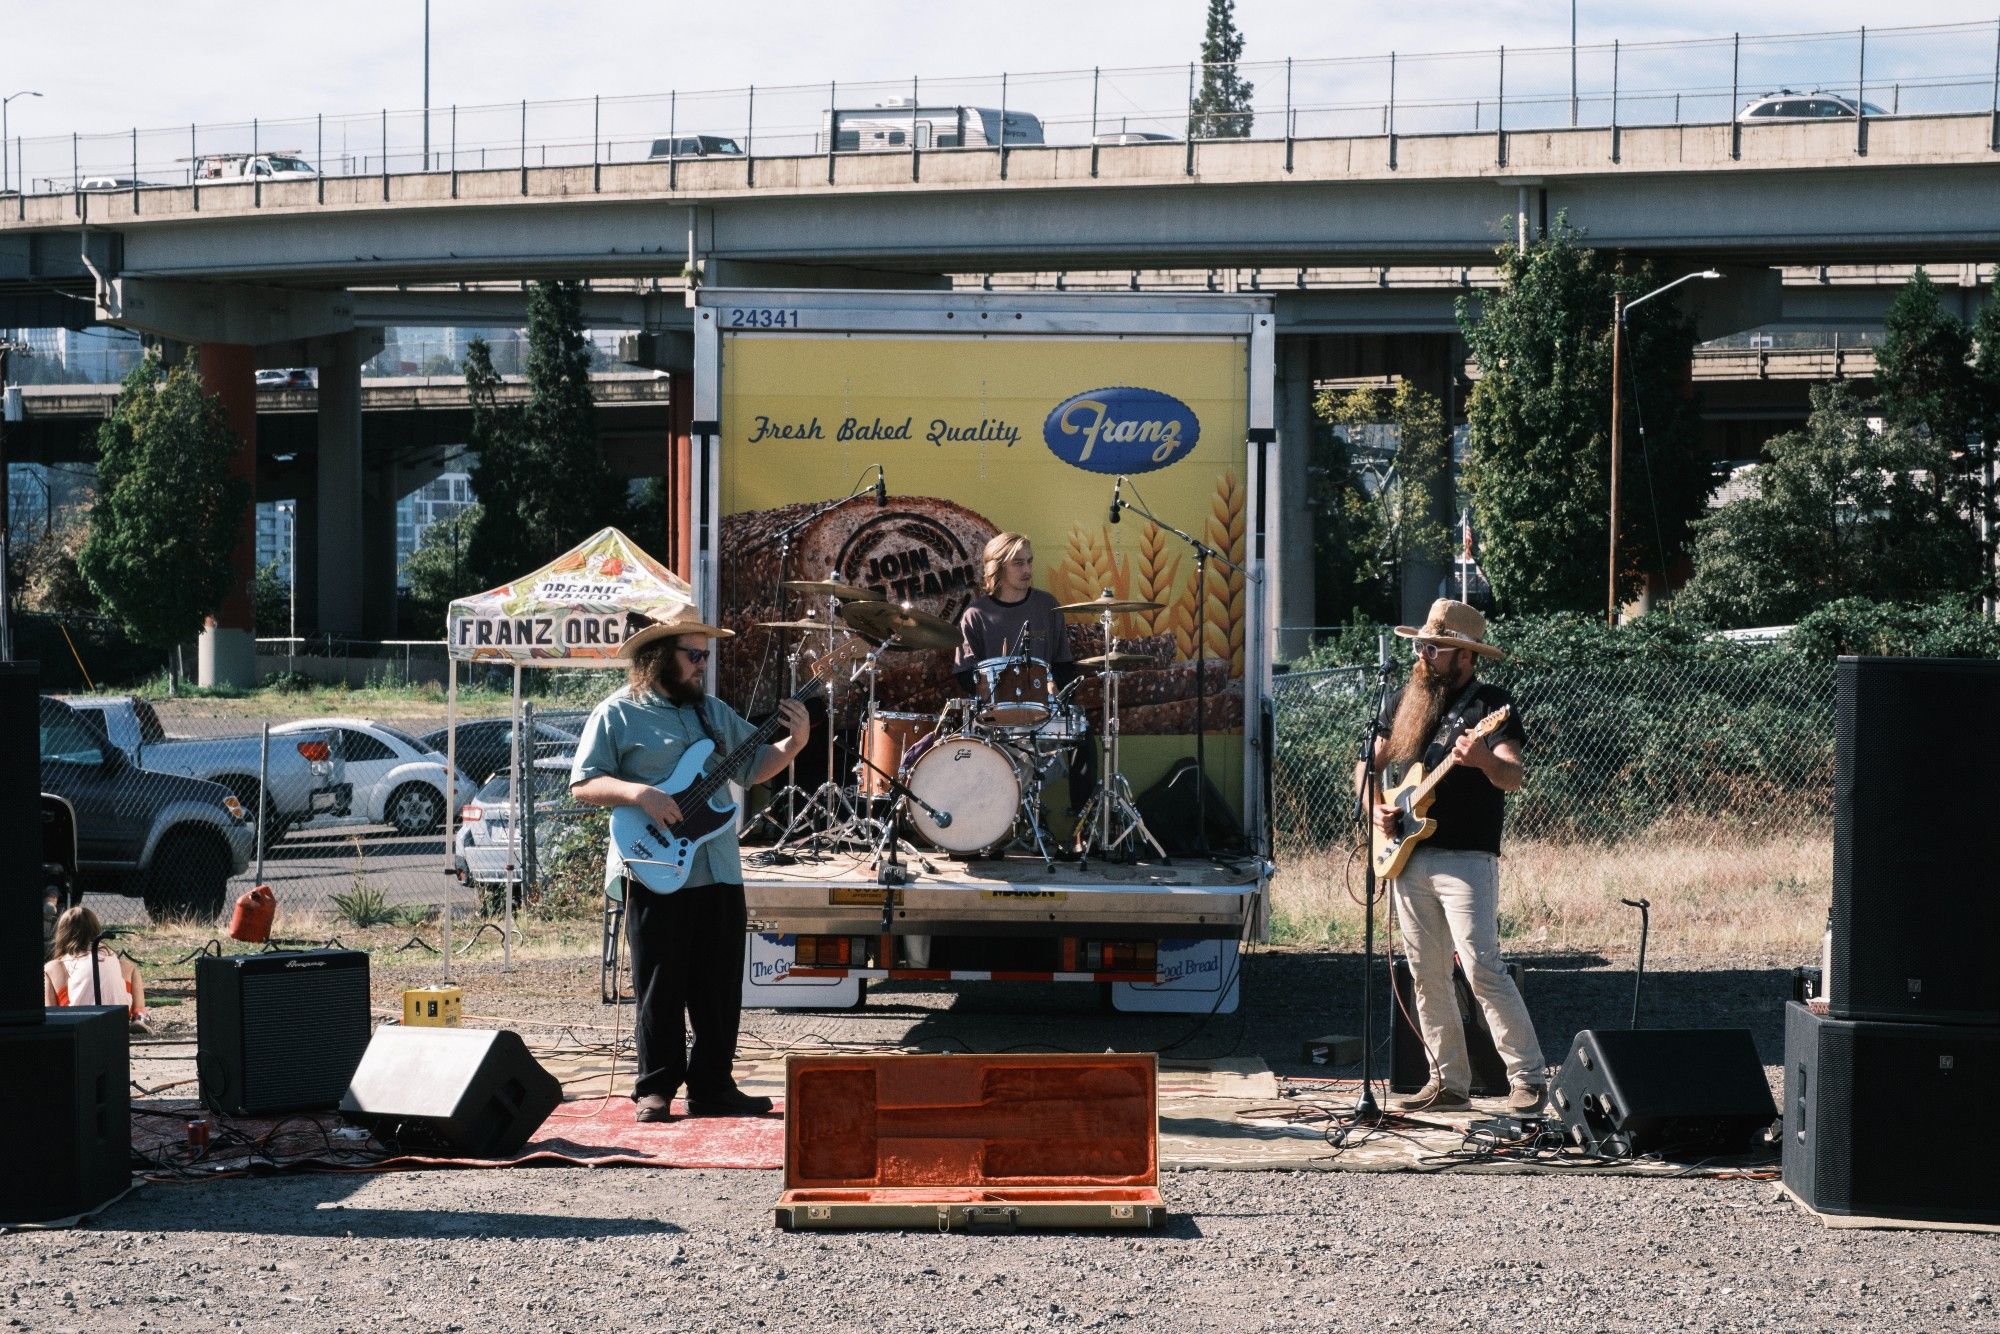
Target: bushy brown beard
x,y
688,692
1417,717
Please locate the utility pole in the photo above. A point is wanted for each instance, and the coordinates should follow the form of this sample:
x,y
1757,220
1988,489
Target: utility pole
x,y
1572,62
427,82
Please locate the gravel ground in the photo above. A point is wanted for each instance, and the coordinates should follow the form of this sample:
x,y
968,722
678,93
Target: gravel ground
x,y
628,1248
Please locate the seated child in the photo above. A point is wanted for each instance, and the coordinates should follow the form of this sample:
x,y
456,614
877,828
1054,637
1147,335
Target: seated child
x,y
67,978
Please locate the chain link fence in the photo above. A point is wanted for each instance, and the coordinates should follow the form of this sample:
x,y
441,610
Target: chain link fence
x,y
1699,776
1941,69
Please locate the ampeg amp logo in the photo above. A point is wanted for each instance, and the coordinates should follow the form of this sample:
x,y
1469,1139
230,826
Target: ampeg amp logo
x,y
1121,429
305,963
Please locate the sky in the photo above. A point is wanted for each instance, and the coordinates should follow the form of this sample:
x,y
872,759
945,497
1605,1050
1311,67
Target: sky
x,y
120,63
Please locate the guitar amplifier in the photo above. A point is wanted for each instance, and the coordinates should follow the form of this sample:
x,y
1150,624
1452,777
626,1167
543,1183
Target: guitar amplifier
x,y
279,1032
1409,1063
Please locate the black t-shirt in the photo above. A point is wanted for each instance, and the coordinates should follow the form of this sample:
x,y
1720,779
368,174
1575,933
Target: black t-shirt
x,y
1467,807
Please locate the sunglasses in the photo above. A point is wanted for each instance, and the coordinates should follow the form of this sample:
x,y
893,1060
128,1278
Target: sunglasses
x,y
1434,650
697,656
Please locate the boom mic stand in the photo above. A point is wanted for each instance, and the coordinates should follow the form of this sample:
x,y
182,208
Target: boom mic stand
x,y
783,538
1203,553
1366,1112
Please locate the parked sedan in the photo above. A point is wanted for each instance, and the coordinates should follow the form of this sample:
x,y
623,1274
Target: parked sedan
x,y
396,779
486,747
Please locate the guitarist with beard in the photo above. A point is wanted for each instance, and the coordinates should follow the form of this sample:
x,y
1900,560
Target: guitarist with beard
x,y
687,947
1448,895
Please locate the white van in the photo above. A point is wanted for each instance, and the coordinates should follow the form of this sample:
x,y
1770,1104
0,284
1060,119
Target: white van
x,y
899,123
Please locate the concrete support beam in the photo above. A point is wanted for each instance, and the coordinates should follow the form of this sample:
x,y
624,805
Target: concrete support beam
x,y
222,312
227,654
1296,568
338,539
378,555
720,271
670,350
319,351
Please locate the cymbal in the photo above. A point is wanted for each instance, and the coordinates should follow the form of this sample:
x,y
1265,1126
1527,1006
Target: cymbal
x,y
912,628
1099,605
827,588
1119,662
823,626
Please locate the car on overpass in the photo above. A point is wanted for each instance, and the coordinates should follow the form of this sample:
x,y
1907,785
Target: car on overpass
x,y
1786,105
696,145
898,123
296,377
1133,137
264,166
93,184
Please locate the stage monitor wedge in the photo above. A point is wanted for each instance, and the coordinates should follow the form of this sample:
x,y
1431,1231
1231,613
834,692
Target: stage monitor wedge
x,y
465,1092
1852,1145
279,1032
1916,901
1677,1092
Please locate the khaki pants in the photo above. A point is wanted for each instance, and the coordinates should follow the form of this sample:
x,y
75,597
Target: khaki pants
x,y
1446,902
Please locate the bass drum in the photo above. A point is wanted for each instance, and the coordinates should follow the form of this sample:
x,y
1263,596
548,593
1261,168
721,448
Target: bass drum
x,y
975,781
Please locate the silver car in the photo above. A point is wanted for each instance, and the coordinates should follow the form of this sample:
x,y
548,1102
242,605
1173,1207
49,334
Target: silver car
x,y
1786,105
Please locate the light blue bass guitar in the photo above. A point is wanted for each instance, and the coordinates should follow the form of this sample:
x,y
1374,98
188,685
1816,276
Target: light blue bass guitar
x,y
659,857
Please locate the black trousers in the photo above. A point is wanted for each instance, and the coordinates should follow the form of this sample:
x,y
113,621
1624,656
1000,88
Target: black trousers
x,y
687,959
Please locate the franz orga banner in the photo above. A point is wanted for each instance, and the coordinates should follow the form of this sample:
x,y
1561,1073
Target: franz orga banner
x,y
575,611
977,436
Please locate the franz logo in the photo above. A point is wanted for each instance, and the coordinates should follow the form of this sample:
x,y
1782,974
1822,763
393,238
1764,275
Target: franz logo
x,y
1121,429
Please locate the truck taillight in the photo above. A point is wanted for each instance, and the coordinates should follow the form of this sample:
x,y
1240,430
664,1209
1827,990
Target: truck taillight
x,y
471,815
316,751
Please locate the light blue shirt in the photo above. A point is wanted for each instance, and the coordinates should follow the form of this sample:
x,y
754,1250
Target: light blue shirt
x,y
640,738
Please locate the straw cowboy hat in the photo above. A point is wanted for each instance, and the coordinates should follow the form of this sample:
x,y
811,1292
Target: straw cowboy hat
x,y
1452,624
680,621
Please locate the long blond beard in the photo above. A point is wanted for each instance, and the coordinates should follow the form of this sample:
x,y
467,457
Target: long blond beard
x,y
1417,717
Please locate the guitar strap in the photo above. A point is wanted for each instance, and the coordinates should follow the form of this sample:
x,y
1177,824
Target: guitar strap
x,y
701,716
1448,729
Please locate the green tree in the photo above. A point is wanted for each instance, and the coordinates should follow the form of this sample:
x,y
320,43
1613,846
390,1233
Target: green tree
x,y
1839,510
437,571
1923,376
169,509
272,598
46,575
1221,106
1369,540
541,480
1538,463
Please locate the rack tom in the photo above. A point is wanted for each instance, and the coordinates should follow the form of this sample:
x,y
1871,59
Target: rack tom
x,y
1013,692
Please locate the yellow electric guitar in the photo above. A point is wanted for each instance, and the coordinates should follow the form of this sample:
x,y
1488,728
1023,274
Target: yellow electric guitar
x,y
1412,798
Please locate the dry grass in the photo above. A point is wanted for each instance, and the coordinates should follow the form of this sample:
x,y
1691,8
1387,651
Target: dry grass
x,y
1760,897
563,938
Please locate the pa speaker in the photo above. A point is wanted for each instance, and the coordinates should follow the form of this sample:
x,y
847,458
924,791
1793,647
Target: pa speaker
x,y
279,1032
1852,1145
65,1105
20,845
1670,1091
1916,906
1409,1062
465,1092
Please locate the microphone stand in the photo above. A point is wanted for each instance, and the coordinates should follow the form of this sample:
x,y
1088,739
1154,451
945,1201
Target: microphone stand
x,y
783,537
1365,1109
1203,553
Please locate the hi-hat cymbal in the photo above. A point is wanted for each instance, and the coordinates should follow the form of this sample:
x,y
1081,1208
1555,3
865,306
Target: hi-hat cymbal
x,y
1119,662
1099,605
827,588
912,628
821,626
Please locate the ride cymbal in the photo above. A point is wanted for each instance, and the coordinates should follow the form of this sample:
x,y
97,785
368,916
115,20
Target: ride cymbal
x,y
827,588
912,628
1099,605
823,626
1119,662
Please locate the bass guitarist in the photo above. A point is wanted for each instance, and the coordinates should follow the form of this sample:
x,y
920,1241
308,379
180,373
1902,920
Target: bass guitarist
x,y
687,947
1448,895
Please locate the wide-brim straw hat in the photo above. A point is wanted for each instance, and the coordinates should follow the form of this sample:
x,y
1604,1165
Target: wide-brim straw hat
x,y
681,621
1453,624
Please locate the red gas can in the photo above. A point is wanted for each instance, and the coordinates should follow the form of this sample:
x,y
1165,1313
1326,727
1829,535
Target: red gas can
x,y
251,921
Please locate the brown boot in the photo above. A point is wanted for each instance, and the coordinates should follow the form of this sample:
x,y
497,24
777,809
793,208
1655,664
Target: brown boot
x,y
1525,1098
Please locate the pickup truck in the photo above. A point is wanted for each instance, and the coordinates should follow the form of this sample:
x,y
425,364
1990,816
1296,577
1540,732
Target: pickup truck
x,y
307,777
173,841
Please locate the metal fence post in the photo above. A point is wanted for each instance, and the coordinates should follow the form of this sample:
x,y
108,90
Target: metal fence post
x,y
1500,115
454,150
1735,96
673,144
1288,113
1860,95
1003,127
596,135
750,139
1614,100
263,794
1094,76
194,170
135,169
385,155
914,95
832,124
1190,119
319,153
524,145
75,164
1993,136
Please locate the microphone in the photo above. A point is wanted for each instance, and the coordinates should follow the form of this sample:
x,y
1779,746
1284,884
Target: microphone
x,y
1116,487
881,488
942,819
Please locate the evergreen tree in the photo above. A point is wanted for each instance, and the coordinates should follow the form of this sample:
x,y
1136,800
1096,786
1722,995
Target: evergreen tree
x,y
437,570
1839,510
169,509
272,598
1221,106
542,483
1538,468
1923,377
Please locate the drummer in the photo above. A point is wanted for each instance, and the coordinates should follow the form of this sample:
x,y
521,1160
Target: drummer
x,y
1013,618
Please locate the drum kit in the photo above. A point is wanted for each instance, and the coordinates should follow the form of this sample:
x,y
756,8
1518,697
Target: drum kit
x,y
968,781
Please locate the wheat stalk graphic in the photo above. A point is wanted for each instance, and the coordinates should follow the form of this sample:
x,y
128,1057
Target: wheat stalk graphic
x,y
1158,570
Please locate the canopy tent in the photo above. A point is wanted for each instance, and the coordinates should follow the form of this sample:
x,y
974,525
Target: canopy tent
x,y
576,611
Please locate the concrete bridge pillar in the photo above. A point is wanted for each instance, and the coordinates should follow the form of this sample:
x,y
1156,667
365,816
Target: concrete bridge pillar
x,y
377,569
1297,567
227,652
336,549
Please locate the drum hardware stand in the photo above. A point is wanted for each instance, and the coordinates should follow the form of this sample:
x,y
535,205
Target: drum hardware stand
x,y
791,791
841,818
1112,806
880,832
1203,553
889,847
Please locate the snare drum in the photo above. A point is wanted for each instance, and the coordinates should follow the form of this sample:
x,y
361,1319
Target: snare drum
x,y
977,782
1013,692
888,738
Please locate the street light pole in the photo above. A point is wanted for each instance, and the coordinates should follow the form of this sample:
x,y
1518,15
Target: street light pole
x,y
1620,310
6,178
1572,64
290,509
427,85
